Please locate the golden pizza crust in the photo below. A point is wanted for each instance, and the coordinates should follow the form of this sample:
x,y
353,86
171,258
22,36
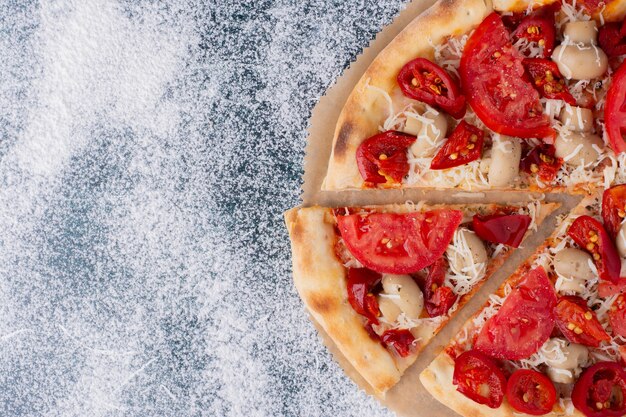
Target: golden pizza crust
x,y
366,109
320,280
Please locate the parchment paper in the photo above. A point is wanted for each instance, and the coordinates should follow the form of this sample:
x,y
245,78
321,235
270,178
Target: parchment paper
x,y
407,398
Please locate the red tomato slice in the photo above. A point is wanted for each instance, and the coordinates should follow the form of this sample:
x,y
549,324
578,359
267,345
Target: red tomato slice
x,y
399,243
478,377
601,391
614,208
611,40
617,316
589,234
464,145
538,27
593,6
530,392
615,111
401,340
524,322
507,229
493,80
607,288
578,323
548,79
542,162
439,299
426,81
361,282
383,157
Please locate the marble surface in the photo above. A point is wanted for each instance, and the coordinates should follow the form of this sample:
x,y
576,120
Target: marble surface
x,y
147,152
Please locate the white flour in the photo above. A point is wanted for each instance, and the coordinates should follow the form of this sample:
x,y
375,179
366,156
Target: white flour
x,y
146,155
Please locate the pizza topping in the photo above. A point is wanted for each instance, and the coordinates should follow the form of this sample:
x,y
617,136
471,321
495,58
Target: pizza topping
x,y
548,80
615,111
506,153
601,391
617,315
492,77
578,323
399,243
468,260
530,392
506,229
564,359
439,298
614,208
423,80
541,161
478,378
577,119
524,322
383,157
361,283
612,39
580,60
538,27
464,145
574,265
589,234
401,340
406,294
578,149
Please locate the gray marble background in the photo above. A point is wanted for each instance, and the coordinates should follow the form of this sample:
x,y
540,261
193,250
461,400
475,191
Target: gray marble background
x,y
147,151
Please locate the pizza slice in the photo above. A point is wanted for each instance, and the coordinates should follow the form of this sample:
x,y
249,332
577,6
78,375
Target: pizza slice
x,y
382,280
468,97
552,340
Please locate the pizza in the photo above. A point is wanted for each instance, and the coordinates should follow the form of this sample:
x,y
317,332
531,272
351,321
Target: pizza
x,y
473,95
382,280
521,96
552,340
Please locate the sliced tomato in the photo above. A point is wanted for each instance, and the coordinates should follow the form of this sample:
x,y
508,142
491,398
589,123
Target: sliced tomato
x,y
589,234
548,79
383,157
479,378
524,322
507,229
493,80
617,316
607,288
464,145
423,80
578,323
399,243
611,40
541,161
614,208
601,391
622,353
361,282
530,392
401,340
593,6
439,298
538,27
615,111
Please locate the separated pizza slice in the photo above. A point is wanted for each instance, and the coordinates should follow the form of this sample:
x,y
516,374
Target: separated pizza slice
x,y
552,340
523,97
382,280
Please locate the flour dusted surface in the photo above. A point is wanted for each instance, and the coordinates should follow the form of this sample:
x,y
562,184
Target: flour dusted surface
x,y
147,152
